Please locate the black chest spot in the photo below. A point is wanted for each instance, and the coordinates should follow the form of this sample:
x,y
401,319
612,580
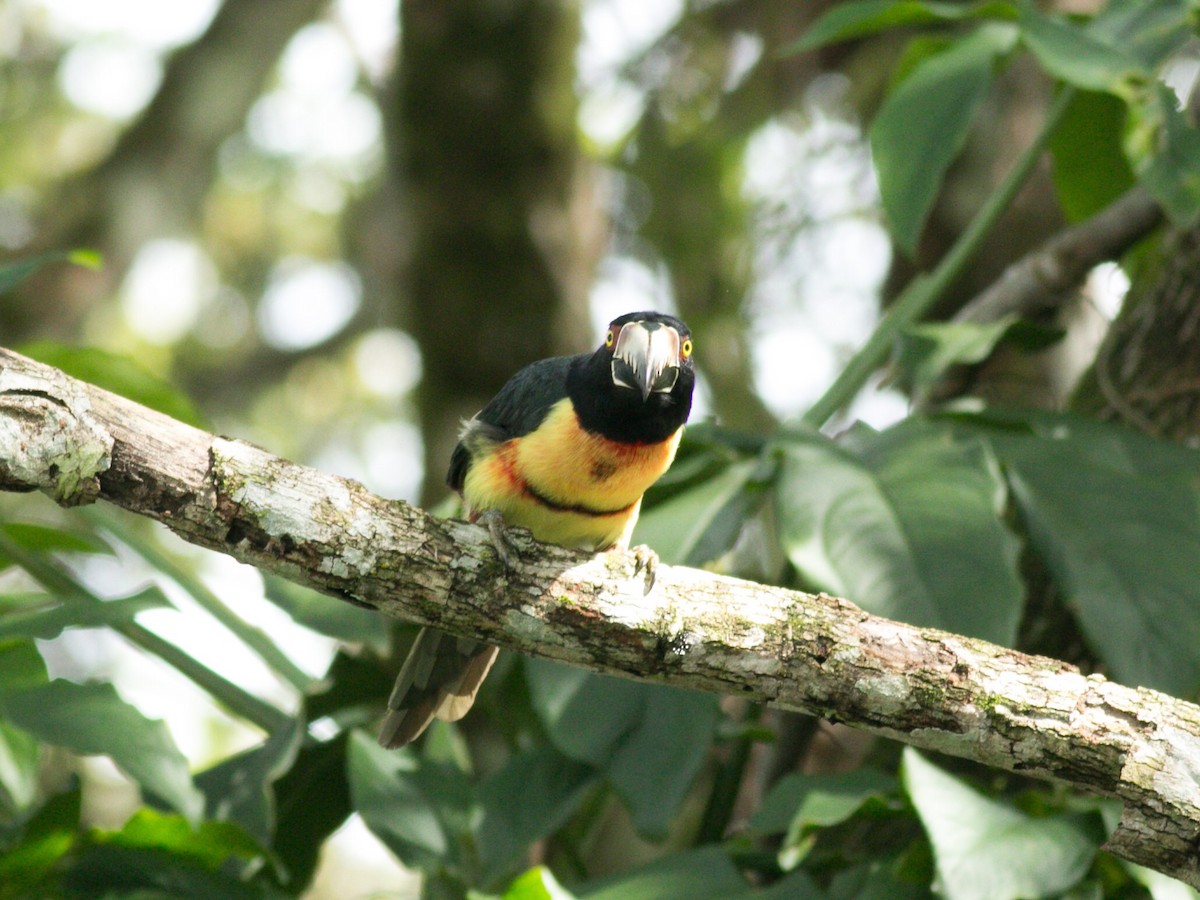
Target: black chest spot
x,y
603,469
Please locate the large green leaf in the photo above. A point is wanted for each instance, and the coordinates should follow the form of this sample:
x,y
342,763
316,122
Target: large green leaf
x,y
987,850
423,811
514,816
905,523
1090,167
1116,517
649,740
1074,55
846,21
923,125
699,524
92,719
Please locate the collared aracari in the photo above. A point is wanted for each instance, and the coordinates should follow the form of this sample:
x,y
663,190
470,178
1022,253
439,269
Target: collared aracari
x,y
566,449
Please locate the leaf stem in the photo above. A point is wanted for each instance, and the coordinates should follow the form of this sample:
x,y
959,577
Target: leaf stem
x,y
927,288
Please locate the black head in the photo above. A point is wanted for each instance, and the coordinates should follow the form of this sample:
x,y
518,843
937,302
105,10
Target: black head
x,y
637,386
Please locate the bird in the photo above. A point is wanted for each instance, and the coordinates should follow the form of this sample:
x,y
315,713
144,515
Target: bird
x,y
566,449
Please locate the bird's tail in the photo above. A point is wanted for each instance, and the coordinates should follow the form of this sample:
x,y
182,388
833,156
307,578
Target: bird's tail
x,y
440,677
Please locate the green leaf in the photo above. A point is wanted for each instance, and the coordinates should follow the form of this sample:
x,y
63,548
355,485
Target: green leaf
x,y
928,349
28,867
210,844
854,20
819,800
905,523
50,619
696,874
1148,31
801,805
1116,517
650,741
328,616
312,800
923,125
437,800
700,524
1090,167
241,788
138,873
1165,151
537,883
21,666
44,539
880,879
1074,55
13,273
19,759
514,816
988,850
118,374
92,719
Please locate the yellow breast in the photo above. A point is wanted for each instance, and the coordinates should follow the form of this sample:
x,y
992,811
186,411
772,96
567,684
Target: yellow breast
x,y
567,485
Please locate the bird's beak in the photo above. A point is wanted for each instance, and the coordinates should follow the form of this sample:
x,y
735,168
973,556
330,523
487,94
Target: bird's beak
x,y
646,358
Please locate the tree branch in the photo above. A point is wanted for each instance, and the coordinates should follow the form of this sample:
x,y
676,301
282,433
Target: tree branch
x,y
810,653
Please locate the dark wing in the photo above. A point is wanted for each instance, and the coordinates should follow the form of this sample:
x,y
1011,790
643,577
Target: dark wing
x,y
517,409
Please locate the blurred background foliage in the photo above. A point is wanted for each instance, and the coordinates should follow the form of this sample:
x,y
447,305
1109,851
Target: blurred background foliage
x,y
335,227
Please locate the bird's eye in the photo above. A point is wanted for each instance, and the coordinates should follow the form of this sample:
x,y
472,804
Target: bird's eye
x,y
609,338
685,349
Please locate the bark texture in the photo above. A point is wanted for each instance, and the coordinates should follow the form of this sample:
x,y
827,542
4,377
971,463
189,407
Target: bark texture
x,y
809,653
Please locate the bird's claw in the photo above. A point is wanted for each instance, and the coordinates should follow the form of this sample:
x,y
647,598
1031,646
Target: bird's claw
x,y
645,560
494,522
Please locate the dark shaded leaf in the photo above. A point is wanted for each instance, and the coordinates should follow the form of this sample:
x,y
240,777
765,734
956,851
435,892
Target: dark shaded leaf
x,y
241,788
649,740
696,874
421,810
92,719
1116,517
514,816
312,800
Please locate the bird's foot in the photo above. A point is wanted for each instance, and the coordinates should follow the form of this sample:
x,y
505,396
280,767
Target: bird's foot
x,y
493,521
645,560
